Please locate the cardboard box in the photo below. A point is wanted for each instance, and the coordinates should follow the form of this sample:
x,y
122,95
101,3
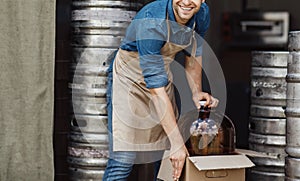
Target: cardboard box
x,y
216,168
209,168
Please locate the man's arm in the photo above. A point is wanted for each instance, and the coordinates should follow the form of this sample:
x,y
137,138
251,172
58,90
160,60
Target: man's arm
x,y
193,69
165,112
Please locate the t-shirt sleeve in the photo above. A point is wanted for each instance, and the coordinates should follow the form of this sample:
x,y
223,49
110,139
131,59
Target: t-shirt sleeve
x,y
150,40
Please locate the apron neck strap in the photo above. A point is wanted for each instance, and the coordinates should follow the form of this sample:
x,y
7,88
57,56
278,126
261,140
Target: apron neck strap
x,y
193,39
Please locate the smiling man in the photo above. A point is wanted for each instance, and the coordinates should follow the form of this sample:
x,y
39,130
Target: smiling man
x,y
142,114
184,10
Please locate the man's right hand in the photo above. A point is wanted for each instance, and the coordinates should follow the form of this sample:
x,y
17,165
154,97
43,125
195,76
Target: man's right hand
x,y
177,158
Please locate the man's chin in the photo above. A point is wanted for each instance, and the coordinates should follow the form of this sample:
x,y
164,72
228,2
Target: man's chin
x,y
185,16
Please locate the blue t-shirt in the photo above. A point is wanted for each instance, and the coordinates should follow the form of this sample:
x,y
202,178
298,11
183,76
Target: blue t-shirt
x,y
148,33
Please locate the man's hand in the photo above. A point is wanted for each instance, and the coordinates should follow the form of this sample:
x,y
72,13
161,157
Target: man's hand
x,y
177,158
210,100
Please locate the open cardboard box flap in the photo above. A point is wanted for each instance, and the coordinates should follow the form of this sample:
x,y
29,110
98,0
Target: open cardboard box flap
x,y
236,161
221,162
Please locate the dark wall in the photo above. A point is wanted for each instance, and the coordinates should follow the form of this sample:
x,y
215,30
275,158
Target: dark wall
x,y
292,6
236,61
62,100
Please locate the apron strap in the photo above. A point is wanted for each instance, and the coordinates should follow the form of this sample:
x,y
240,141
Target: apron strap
x,y
194,48
193,39
193,53
168,27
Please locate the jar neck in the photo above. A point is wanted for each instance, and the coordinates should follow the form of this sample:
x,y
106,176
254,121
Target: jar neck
x,y
204,112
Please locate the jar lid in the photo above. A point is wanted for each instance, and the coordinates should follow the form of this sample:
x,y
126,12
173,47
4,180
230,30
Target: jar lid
x,y
202,103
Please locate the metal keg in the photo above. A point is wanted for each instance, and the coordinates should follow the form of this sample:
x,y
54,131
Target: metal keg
x,y
267,111
89,124
258,175
292,171
268,85
267,114
269,126
91,29
271,166
98,27
87,149
294,41
293,105
272,145
86,173
95,57
87,155
88,105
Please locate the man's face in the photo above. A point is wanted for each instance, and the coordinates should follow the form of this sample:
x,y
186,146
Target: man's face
x,y
185,9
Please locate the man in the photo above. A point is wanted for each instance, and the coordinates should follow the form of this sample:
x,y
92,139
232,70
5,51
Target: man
x,y
141,109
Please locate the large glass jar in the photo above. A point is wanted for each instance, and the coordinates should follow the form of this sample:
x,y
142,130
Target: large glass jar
x,y
212,133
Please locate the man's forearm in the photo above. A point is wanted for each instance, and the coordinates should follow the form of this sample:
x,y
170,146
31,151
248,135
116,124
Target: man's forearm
x,y
165,112
193,69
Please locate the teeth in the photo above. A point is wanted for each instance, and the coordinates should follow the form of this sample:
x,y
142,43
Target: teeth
x,y
186,9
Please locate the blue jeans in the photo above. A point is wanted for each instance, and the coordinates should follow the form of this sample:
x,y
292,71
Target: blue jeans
x,y
120,163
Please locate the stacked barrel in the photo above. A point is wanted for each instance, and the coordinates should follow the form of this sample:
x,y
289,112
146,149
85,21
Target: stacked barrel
x,y
292,169
98,27
267,123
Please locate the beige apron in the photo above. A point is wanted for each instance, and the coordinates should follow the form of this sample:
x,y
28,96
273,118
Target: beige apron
x,y
135,124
